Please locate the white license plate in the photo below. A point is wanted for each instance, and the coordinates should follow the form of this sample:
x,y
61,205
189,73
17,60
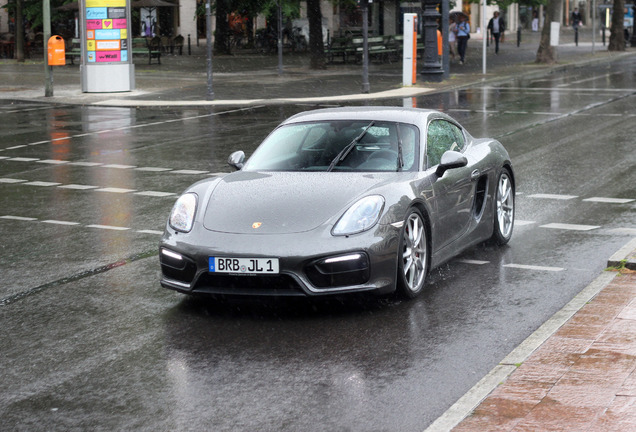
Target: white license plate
x,y
243,265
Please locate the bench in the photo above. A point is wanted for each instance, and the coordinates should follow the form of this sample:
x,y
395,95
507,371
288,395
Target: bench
x,y
340,47
399,39
382,48
73,50
147,46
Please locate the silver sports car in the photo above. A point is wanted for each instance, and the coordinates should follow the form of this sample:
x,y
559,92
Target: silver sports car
x,y
338,201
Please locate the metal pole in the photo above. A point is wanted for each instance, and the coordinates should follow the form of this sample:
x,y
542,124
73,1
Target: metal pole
x,y
484,34
208,31
445,56
593,25
366,87
280,39
46,26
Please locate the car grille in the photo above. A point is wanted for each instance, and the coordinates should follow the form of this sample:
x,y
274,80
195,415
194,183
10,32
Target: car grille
x,y
280,285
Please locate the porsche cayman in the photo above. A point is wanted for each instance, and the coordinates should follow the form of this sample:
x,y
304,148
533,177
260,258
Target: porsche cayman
x,y
341,200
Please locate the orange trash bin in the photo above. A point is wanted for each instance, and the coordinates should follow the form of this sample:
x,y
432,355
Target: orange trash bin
x,y
56,51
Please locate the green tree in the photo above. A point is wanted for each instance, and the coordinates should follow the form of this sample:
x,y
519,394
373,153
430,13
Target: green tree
x,y
547,53
617,35
316,46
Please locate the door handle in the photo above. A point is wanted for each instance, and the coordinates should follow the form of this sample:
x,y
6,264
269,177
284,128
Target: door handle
x,y
474,175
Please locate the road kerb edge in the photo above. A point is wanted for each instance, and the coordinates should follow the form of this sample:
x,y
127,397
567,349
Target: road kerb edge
x,y
471,400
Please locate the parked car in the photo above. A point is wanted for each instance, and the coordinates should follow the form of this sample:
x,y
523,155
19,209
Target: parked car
x,y
344,200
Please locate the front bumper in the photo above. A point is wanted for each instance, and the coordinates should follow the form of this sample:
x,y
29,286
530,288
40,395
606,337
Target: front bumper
x,y
310,264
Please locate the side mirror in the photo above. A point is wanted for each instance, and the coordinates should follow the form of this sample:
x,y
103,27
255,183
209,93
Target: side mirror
x,y
236,160
451,159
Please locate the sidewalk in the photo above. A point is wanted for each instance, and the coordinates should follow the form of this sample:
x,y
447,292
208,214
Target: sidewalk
x,y
249,78
576,374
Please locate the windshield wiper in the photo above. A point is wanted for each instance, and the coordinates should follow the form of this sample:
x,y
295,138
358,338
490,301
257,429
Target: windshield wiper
x,y
345,151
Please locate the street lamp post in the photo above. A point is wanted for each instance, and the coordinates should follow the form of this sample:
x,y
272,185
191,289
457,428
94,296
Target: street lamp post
x,y
208,32
366,87
633,38
432,70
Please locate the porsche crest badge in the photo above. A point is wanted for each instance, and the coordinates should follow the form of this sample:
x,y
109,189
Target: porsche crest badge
x,y
257,225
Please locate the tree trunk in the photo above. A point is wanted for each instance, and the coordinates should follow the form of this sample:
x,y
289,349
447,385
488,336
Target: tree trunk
x,y
547,53
19,32
316,47
617,35
222,32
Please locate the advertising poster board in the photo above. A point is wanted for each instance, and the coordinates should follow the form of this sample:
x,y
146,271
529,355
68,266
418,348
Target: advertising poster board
x,y
106,46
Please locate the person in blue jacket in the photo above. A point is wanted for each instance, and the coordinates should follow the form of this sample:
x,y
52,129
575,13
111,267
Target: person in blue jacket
x,y
463,34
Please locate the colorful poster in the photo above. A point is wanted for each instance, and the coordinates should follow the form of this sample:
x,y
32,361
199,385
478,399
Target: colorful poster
x,y
96,13
105,3
106,31
107,34
108,45
108,56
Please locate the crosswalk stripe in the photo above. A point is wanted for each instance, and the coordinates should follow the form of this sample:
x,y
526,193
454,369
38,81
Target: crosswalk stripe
x,y
573,227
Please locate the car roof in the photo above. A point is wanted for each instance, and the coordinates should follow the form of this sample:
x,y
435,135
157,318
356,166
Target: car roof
x,y
396,114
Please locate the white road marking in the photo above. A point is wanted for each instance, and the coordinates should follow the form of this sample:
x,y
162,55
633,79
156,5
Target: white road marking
x,y
69,223
115,190
117,166
572,227
58,222
150,232
41,183
153,169
77,187
609,200
553,196
23,159
108,227
188,172
19,218
16,147
533,267
155,193
86,164
114,166
53,161
475,262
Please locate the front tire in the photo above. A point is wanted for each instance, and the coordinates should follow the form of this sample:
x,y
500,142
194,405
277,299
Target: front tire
x,y
412,255
504,208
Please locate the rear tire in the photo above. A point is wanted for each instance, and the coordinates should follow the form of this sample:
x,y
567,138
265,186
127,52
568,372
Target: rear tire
x,y
412,255
504,217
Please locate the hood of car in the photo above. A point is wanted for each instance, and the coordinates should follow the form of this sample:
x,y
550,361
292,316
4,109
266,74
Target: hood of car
x,y
282,202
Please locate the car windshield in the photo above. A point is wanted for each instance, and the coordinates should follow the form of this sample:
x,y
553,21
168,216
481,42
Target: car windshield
x,y
360,145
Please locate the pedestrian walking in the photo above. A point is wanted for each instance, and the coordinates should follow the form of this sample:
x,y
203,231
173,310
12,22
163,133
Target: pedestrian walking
x,y
463,34
576,21
497,26
535,21
452,38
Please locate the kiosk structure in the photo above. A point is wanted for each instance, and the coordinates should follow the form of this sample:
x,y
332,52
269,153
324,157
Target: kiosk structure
x,y
106,64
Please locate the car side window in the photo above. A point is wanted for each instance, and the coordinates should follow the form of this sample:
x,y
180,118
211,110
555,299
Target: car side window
x,y
442,136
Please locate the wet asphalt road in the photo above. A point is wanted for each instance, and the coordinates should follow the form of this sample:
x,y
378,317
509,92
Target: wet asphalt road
x,y
91,341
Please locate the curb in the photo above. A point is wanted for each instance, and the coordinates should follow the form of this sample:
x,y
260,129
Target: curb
x,y
625,256
471,400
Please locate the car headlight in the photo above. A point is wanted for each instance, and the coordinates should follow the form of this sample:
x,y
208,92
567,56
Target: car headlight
x,y
360,216
182,215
